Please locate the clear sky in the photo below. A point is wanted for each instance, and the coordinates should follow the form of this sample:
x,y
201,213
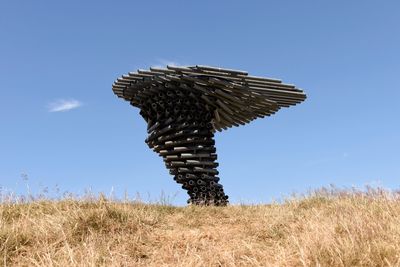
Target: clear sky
x,y
61,124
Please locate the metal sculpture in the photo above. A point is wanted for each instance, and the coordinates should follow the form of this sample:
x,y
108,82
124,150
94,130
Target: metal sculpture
x,y
184,106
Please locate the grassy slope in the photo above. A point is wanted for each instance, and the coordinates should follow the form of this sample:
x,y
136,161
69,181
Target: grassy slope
x,y
327,229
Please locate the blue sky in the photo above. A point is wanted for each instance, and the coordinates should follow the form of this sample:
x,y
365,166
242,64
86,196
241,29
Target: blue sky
x,y
344,54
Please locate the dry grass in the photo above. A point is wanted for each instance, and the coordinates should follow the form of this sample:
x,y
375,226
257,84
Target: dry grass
x,y
327,228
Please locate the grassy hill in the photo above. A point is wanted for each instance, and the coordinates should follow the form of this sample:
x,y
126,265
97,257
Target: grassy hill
x,y
326,228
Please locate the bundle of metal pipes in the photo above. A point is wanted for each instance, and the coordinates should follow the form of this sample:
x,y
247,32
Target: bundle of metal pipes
x,y
184,106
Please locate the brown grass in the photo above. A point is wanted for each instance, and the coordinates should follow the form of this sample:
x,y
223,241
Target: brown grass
x,y
327,228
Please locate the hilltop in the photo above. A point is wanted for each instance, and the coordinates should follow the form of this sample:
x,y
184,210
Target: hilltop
x,y
325,228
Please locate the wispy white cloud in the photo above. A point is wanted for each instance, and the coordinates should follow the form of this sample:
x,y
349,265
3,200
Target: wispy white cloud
x,y
162,63
63,105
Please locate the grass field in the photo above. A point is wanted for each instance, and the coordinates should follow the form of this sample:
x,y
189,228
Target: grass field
x,y
325,228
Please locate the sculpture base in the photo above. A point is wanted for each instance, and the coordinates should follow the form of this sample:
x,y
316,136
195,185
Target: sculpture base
x,y
181,132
